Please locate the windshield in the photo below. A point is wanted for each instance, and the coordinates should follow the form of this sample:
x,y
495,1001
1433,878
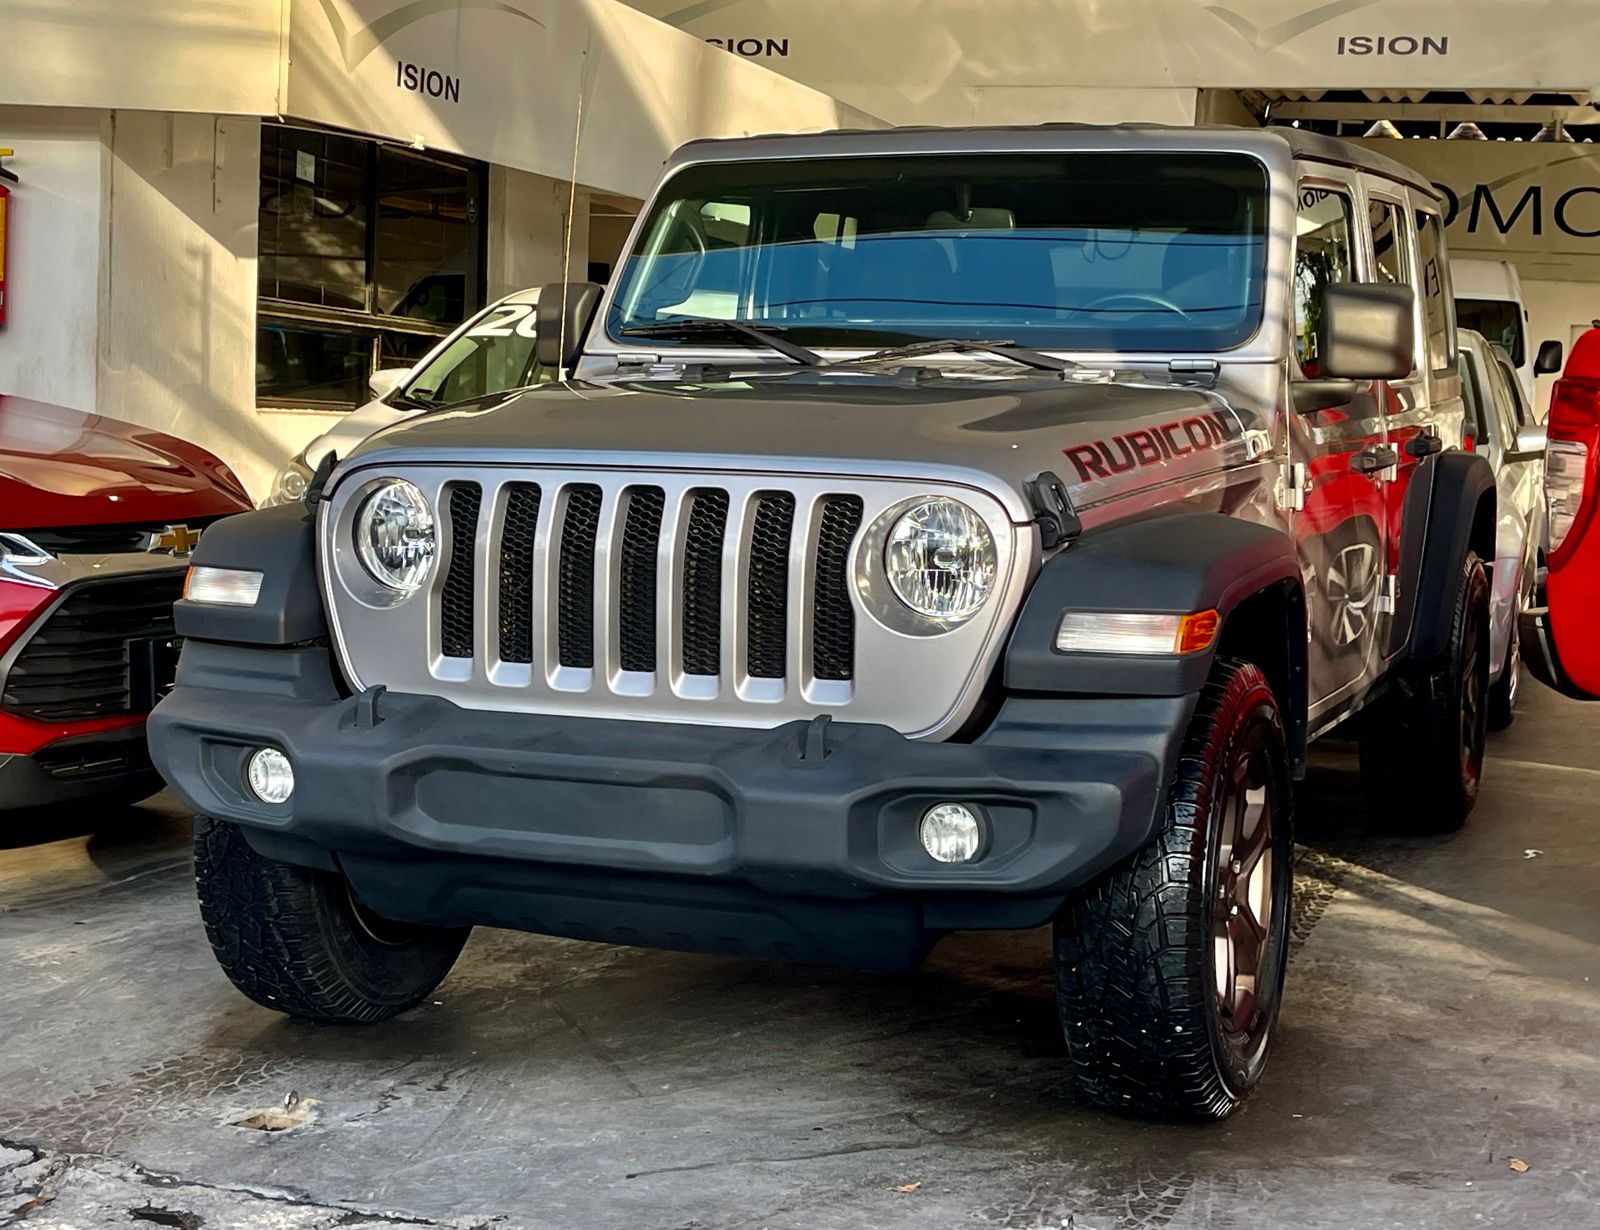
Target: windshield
x,y
1499,320
492,354
1080,251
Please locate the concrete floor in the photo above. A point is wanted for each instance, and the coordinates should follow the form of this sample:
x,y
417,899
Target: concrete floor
x,y
1441,1020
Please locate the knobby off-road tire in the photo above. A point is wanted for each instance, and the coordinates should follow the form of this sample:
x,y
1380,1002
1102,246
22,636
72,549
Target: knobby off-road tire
x,y
1422,742
1161,1017
295,940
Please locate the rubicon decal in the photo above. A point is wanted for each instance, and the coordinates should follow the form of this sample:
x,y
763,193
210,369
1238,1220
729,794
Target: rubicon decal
x,y
1149,446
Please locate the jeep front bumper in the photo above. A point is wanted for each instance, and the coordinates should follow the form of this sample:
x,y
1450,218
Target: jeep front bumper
x,y
799,842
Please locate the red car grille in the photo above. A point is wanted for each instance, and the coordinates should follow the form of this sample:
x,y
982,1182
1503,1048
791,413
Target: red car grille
x,y
105,649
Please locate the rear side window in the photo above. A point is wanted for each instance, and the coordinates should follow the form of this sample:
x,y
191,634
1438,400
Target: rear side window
x,y
1324,225
1391,265
1473,396
1436,302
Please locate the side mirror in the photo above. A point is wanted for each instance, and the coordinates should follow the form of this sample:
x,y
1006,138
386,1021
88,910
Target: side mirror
x,y
1531,439
386,380
1549,359
1367,332
563,317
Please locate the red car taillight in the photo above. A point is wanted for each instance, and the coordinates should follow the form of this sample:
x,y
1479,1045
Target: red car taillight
x,y
1573,430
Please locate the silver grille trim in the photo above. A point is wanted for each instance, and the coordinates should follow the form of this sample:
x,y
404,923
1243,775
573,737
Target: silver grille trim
x,y
920,684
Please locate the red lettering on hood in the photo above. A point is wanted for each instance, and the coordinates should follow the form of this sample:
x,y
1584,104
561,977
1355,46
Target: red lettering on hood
x,y
1148,446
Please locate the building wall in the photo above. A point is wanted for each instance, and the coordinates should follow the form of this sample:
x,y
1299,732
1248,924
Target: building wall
x,y
178,290
47,347
528,231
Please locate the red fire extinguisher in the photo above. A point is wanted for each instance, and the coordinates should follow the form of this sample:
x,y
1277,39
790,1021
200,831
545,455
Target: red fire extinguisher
x,y
5,230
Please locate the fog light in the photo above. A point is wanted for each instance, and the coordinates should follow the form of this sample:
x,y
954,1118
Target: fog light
x,y
950,833
271,777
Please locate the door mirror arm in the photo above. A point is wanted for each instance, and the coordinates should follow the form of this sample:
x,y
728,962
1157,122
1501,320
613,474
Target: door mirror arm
x,y
1309,396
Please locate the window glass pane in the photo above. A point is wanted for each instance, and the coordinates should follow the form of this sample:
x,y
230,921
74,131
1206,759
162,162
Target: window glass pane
x,y
403,349
1435,294
1063,251
494,355
305,366
1321,258
1472,398
1515,411
427,238
1388,243
1499,320
313,240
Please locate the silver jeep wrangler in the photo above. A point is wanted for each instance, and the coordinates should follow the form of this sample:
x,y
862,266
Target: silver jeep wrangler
x,y
934,530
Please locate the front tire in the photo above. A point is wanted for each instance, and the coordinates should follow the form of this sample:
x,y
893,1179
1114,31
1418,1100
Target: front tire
x,y
1170,968
296,940
1422,743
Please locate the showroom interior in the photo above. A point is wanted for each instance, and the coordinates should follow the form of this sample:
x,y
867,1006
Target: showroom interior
x,y
309,306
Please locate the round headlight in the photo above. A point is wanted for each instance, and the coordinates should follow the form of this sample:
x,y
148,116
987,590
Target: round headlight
x,y
395,537
941,560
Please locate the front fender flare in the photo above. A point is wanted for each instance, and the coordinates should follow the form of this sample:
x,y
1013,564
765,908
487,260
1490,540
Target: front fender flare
x,y
1166,565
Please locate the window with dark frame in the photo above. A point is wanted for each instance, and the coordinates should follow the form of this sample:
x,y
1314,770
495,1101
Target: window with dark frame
x,y
369,255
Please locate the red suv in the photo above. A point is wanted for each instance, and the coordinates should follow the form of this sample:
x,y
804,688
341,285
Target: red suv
x,y
97,519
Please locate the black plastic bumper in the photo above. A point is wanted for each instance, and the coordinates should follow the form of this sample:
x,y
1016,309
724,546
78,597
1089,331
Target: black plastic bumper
x,y
799,841
78,769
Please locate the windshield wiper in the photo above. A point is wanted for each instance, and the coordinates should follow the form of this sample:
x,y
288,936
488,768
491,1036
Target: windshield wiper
x,y
728,330
1003,349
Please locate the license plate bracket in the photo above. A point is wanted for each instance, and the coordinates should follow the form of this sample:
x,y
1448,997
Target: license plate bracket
x,y
152,670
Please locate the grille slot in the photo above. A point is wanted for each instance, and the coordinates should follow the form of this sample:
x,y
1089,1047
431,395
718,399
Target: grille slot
x,y
641,545
575,602
80,661
767,598
833,619
702,583
456,604
516,572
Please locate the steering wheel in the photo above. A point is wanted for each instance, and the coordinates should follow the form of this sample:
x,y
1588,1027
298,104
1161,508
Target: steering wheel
x,y
1165,305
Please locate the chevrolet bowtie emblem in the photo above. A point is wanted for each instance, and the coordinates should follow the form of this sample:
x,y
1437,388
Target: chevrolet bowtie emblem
x,y
179,539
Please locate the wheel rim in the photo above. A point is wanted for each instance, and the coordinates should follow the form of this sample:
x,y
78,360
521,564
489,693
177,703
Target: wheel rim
x,y
1351,588
1244,906
1474,686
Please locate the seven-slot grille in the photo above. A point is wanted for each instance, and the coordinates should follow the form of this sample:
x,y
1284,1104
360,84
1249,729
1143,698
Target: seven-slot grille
x,y
662,606
722,596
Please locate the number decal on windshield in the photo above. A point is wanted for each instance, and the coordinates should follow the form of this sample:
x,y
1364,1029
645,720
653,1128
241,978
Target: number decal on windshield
x,y
506,319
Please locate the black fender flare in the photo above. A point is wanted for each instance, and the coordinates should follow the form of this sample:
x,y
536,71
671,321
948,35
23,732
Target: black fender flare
x,y
280,544
1442,517
1177,564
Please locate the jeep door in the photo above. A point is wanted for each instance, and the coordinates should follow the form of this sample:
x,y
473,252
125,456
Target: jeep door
x,y
1425,411
1342,529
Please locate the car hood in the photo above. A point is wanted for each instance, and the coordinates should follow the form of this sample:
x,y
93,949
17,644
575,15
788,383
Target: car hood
x,y
1100,437
61,467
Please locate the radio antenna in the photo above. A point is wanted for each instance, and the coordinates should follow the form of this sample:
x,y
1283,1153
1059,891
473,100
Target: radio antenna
x,y
572,209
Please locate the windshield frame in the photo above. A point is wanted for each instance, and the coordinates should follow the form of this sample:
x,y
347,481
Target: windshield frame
x,y
1274,235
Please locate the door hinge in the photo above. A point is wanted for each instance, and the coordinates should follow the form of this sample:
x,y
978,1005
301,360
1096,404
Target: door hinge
x,y
1203,372
1389,595
1292,487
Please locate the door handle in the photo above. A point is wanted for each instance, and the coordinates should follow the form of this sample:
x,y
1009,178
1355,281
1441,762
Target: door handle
x,y
1425,445
1374,460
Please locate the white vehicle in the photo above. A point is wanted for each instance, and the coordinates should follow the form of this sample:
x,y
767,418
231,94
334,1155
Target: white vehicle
x,y
1489,301
490,355
1500,427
